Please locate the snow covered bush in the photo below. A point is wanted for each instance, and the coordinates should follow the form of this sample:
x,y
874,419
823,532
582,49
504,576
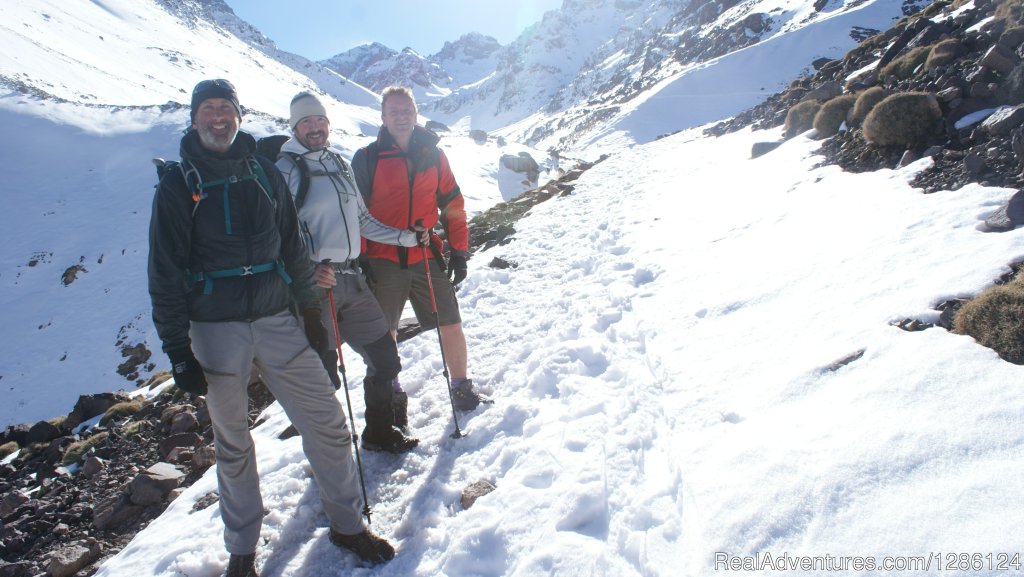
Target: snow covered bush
x,y
78,449
800,118
905,119
995,319
120,411
866,100
833,114
8,448
904,66
944,53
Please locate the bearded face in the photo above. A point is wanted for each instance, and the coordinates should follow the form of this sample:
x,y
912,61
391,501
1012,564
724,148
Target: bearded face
x,y
217,123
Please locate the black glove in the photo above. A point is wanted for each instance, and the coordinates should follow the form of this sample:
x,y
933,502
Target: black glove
x,y
364,265
457,269
315,331
188,375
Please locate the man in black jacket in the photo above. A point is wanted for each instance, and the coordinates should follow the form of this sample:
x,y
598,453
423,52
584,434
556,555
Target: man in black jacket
x,y
226,262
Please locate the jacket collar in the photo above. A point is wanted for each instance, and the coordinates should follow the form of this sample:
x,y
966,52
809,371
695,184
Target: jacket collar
x,y
294,146
421,138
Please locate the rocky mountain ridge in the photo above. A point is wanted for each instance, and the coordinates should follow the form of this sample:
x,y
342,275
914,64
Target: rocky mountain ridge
x,y
376,66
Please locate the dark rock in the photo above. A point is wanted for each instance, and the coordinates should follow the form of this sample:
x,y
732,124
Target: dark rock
x,y
474,491
522,163
190,440
92,466
819,63
154,484
184,422
115,512
501,264
1000,59
203,458
762,148
89,406
826,91
67,561
974,164
908,157
16,433
949,309
436,126
1011,91
42,432
1005,120
11,502
19,569
845,360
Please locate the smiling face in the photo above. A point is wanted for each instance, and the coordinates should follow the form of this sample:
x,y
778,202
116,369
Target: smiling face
x,y
217,123
313,131
399,117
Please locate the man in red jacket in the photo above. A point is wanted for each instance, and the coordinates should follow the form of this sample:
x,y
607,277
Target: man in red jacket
x,y
406,180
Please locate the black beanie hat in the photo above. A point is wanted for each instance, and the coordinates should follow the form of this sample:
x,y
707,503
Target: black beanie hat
x,y
219,88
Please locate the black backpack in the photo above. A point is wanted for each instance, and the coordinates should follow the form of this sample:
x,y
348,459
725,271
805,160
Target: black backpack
x,y
269,147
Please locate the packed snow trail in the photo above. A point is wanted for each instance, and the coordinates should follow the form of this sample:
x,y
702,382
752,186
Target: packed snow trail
x,y
659,358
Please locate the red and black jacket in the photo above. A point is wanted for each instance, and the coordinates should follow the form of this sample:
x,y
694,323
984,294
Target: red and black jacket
x,y
403,187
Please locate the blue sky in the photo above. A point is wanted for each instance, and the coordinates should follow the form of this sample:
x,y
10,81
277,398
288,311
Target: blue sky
x,y
319,29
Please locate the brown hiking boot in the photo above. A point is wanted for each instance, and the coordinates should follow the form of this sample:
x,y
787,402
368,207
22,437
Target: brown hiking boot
x,y
365,545
464,398
242,566
390,440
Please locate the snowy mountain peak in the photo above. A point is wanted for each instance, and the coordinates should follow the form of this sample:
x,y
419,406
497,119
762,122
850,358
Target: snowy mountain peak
x,y
461,62
469,48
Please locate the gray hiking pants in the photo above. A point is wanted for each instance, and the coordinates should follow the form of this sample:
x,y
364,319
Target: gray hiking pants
x,y
294,374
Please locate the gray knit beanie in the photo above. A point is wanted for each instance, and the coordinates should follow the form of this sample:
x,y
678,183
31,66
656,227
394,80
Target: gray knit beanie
x,y
305,104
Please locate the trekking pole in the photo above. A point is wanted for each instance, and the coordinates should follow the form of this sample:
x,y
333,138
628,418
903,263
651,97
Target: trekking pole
x,y
444,362
348,400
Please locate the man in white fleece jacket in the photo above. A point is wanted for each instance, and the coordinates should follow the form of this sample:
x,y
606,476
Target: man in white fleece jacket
x,y
332,217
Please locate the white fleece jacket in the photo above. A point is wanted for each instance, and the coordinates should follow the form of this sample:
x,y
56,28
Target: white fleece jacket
x,y
334,214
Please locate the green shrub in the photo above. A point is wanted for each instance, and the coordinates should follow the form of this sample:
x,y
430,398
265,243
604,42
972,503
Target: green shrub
x,y
944,53
903,67
905,118
75,452
7,449
995,318
833,114
866,100
120,411
800,118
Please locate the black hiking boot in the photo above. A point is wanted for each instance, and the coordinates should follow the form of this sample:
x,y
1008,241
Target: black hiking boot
x,y
464,398
242,566
390,440
401,406
365,545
